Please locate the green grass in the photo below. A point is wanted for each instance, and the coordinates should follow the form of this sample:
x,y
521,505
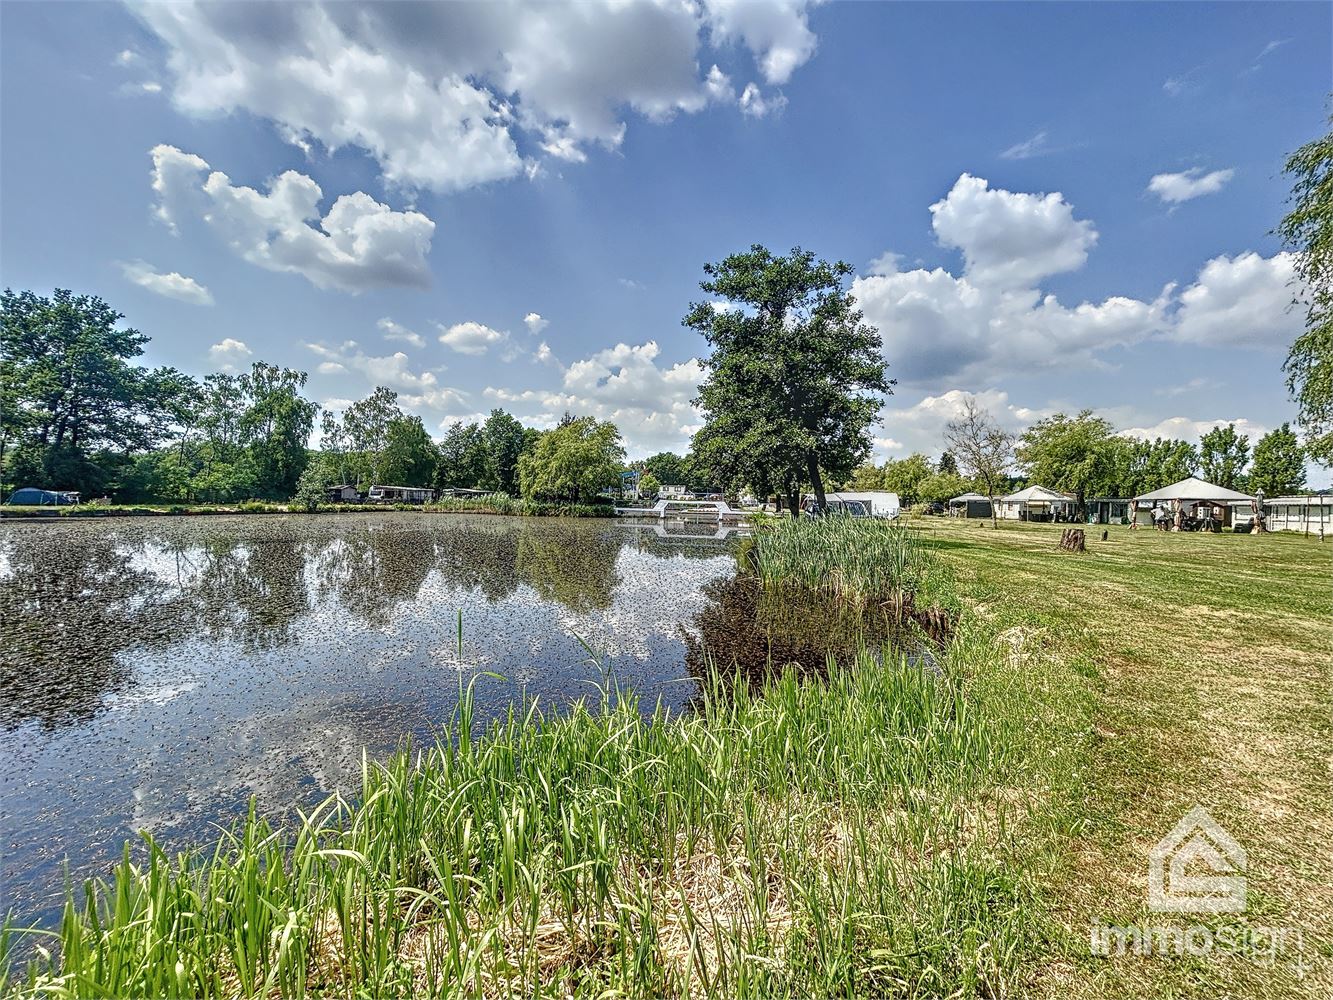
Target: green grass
x,y
1209,659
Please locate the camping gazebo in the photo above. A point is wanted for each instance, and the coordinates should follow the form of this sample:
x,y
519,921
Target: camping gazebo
x,y
1036,503
970,505
1190,499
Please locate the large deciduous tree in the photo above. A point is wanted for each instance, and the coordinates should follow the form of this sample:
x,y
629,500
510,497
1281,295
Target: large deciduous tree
x,y
668,467
1143,466
1308,229
1072,454
573,461
1279,464
905,477
70,390
367,424
277,425
502,440
1223,455
984,450
462,462
410,456
795,378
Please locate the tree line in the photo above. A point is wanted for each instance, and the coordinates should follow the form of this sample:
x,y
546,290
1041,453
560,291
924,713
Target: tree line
x,y
77,413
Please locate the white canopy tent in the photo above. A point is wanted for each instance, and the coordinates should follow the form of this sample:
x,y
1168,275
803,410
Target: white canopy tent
x,y
1036,503
1192,497
1196,489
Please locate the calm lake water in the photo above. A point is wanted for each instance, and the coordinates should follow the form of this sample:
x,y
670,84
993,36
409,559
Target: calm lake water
x,y
156,673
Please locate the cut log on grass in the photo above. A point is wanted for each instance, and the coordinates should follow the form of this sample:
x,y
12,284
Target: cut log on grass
x,y
1073,540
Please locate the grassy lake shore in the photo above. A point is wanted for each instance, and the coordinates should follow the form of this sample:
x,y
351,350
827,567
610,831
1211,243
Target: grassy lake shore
x,y
886,830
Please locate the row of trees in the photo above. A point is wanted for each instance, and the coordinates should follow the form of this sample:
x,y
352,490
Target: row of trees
x,y
77,413
375,442
1083,455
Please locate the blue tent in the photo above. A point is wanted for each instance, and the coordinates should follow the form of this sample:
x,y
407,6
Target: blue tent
x,y
32,496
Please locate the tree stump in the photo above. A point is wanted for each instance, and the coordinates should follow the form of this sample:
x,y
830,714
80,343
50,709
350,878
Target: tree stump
x,y
1073,540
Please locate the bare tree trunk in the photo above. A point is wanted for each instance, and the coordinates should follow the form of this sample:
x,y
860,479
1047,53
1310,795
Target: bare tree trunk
x,y
815,479
1073,540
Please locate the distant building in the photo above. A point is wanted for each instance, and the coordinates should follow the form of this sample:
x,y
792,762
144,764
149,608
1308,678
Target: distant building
x,y
1312,514
878,503
674,492
401,494
1191,498
343,493
1108,510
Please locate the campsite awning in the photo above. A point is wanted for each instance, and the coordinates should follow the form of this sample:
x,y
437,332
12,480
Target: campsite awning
x,y
1194,488
1037,494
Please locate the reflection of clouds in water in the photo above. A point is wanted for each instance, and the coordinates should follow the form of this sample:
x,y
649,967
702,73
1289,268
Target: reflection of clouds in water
x,y
655,595
285,761
145,694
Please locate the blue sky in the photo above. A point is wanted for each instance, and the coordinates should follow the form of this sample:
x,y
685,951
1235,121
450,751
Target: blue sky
x,y
1049,206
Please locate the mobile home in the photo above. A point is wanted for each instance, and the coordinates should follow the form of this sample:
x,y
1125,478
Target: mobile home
x,y
401,494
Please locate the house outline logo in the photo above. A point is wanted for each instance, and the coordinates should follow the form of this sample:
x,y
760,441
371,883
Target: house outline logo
x,y
1197,839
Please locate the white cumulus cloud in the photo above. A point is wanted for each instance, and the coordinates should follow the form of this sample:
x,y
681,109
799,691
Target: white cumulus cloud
x,y
535,323
1010,239
755,104
356,245
1190,429
993,319
443,95
472,338
393,371
396,331
170,284
778,33
625,384
1193,183
1241,301
229,354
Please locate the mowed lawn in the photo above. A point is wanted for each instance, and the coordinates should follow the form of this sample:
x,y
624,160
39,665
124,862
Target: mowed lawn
x,y
1189,669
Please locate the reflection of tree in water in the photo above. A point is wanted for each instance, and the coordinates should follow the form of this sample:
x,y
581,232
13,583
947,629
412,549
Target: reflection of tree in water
x,y
68,606
484,557
756,633
574,566
371,569
252,590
